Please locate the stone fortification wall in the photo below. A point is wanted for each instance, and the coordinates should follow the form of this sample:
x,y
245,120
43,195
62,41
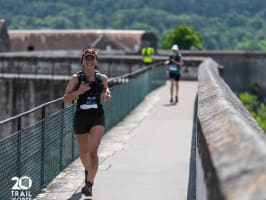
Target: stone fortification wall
x,y
64,63
20,94
242,70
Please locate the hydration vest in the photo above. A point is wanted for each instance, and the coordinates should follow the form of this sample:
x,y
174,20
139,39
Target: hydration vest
x,y
92,98
147,55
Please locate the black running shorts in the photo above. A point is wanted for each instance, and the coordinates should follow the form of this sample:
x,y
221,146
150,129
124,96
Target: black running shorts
x,y
84,121
173,76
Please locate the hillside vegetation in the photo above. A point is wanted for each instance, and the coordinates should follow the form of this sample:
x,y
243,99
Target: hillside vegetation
x,y
223,25
256,108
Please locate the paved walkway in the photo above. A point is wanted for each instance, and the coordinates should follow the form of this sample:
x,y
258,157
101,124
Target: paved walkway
x,y
146,156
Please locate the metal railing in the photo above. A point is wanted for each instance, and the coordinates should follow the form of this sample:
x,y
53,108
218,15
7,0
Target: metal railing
x,y
42,107
16,121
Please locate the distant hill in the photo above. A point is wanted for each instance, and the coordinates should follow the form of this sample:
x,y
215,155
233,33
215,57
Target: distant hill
x,y
223,24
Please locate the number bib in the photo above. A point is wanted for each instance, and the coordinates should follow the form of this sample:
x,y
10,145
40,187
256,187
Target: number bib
x,y
174,68
90,103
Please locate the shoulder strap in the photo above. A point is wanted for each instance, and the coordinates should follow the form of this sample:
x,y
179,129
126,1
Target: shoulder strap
x,y
98,76
81,77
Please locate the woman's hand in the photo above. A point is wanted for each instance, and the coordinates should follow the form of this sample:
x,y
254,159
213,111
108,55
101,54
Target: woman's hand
x,y
106,95
106,91
166,62
71,93
83,88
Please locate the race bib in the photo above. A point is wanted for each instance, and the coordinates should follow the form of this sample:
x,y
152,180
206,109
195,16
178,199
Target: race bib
x,y
174,68
90,103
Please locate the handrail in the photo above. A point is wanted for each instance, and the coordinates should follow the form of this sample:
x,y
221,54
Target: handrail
x,y
120,79
42,106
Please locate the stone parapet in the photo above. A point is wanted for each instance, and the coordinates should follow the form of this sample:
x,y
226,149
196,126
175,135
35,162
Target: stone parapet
x,y
232,146
68,62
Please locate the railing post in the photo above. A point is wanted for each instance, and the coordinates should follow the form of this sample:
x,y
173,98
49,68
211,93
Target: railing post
x,y
43,112
18,123
73,141
62,136
42,145
18,147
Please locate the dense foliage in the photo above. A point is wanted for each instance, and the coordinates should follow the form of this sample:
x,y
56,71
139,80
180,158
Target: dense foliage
x,y
256,108
184,36
223,24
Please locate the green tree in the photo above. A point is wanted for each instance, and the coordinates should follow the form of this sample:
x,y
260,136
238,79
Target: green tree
x,y
249,101
185,36
221,26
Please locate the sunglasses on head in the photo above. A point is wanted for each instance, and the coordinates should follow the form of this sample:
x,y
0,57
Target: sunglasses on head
x,y
89,52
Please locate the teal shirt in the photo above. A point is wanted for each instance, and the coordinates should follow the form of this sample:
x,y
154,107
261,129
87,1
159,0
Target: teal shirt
x,y
173,67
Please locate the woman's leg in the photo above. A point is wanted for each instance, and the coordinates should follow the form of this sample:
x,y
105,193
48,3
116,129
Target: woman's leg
x,y
177,88
171,89
83,140
96,134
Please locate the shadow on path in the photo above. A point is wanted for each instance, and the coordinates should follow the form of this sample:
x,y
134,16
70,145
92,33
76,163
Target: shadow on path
x,y
79,196
170,104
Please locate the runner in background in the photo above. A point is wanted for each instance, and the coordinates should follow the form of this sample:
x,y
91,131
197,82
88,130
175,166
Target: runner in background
x,y
174,63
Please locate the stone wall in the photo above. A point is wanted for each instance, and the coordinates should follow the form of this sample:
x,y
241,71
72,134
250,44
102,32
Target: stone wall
x,y
242,70
64,63
22,94
232,146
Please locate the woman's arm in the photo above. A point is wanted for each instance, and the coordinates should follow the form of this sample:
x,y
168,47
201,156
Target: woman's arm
x,y
180,62
106,90
71,92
